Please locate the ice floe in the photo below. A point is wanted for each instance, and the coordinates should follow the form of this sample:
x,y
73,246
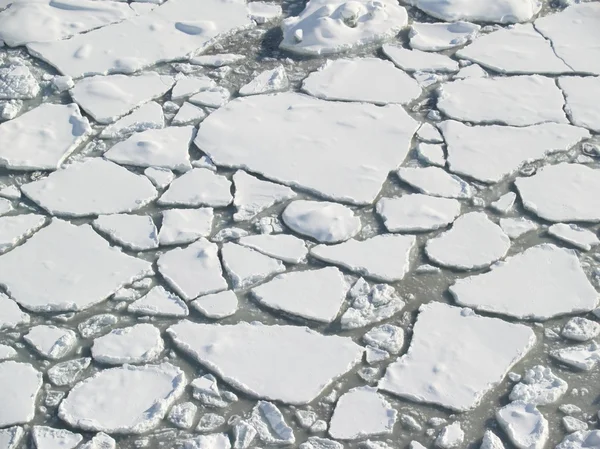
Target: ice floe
x,y
441,36
19,387
188,114
451,436
190,85
505,11
556,285
159,302
263,12
253,195
183,415
386,337
67,373
51,342
74,268
45,437
580,440
302,130
180,226
448,343
419,61
516,227
539,386
435,181
198,187
505,203
246,266
6,353
270,426
491,441
432,154
582,358
429,133
578,237
17,82
580,329
267,82
97,325
219,60
137,232
525,426
147,116
16,228
214,97
582,95
417,212
11,437
217,305
243,355
141,343
284,247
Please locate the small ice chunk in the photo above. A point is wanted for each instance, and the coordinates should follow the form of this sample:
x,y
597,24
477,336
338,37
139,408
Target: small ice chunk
x,y
11,437
217,305
435,181
285,247
312,294
267,82
320,443
193,271
180,226
539,386
360,413
505,203
525,426
323,221
228,234
20,384
67,373
188,114
97,325
147,116
578,237
516,227
212,441
48,438
182,415
429,133
491,441
441,36
16,228
160,177
206,390
198,187
214,97
6,353
253,195
419,61
470,71
417,212
580,440
10,192
270,425
136,232
51,342
582,94
140,343
62,83
219,60
387,337
370,305
263,12
10,109
16,81
190,85
450,437
580,329
159,302
582,358
209,422
506,11
247,267
432,154
573,424
100,441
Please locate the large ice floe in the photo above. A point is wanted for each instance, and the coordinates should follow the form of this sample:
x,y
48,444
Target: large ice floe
x,y
504,11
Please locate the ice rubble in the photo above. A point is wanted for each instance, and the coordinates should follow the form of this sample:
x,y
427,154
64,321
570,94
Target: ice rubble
x,y
569,233
562,192
284,247
107,98
24,22
193,271
370,304
303,129
369,80
66,261
19,387
217,305
81,189
311,294
11,437
539,386
180,226
164,34
137,232
516,227
474,241
385,257
515,100
489,153
243,355
148,116
97,325
332,26
17,82
360,413
159,302
267,82
435,181
247,267
417,212
183,415
198,187
456,357
16,228
525,426
504,11
556,285
253,195
323,221
42,138
212,441
51,342
582,95
581,439
49,438
419,61
67,373
580,329
140,343
386,337
127,400
441,36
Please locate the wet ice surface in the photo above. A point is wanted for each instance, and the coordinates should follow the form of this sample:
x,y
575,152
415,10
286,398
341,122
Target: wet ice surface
x,y
357,224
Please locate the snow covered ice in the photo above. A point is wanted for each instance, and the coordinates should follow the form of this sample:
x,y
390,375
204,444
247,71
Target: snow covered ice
x,y
524,424
51,342
441,36
417,212
19,387
141,343
505,11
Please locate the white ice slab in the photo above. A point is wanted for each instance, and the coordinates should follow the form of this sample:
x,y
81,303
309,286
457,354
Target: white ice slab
x,y
489,153
504,11
370,80
563,192
385,257
74,268
572,234
515,227
429,133
451,436
470,71
267,82
159,302
432,154
219,60
456,357
361,413
170,31
214,97
525,426
107,98
16,228
19,387
253,195
147,116
6,353
190,85
386,337
198,187
124,400
51,342
246,266
419,61
137,232
583,358
244,354
441,36
330,26
263,12
42,138
539,386
303,130
474,241
193,271
285,247
582,95
217,305
505,203
188,114
542,282
180,226
323,221
417,212
45,437
312,294
140,343
516,100
435,181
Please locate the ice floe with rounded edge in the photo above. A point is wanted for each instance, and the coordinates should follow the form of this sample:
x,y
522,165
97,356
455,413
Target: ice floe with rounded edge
x,y
385,257
198,187
244,354
19,387
285,247
323,221
369,80
524,425
11,437
312,294
107,98
16,228
580,238
193,271
303,130
91,187
435,181
247,267
360,413
582,358
42,138
333,26
148,116
419,61
267,82
51,342
441,36
217,305
514,100
475,352
504,11
263,12
159,302
517,50
562,192
489,153
136,232
582,95
180,226
45,437
270,425
580,329
17,82
516,227
123,400
253,195
474,241
74,268
580,440
539,386
140,343
556,285
417,212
